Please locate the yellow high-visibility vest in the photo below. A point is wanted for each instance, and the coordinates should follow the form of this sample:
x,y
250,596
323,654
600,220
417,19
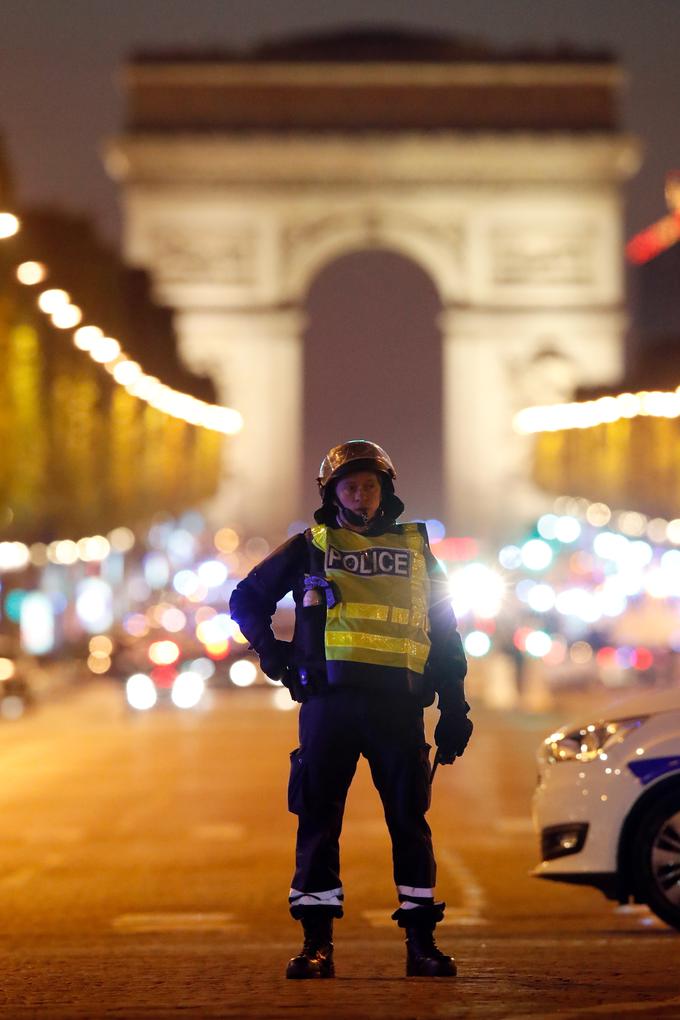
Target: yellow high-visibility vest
x,y
383,589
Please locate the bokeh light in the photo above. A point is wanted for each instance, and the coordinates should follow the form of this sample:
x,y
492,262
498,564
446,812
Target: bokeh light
x,y
141,692
31,273
243,673
9,225
53,299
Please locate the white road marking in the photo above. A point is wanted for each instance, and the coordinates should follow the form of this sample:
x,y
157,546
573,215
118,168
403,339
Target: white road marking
x,y
139,923
224,832
473,900
472,894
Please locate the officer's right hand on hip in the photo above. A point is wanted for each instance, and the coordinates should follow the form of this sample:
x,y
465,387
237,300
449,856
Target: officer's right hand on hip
x,y
275,660
451,736
299,683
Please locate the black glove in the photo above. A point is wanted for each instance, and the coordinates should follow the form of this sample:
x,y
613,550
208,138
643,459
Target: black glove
x,y
275,660
451,736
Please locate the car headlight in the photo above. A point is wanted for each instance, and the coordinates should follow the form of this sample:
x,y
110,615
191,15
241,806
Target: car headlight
x,y
589,742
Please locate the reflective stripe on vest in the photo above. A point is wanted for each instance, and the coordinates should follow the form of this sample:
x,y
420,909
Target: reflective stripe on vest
x,y
381,616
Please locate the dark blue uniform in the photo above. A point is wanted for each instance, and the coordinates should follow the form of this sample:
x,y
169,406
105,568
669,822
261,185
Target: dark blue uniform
x,y
360,709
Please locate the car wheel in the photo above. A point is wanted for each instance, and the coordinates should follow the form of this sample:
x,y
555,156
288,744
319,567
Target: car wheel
x,y
656,858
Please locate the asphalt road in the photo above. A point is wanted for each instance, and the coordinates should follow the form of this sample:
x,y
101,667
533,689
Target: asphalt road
x,y
145,862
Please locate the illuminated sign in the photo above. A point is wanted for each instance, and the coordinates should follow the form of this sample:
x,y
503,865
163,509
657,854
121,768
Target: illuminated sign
x,y
664,233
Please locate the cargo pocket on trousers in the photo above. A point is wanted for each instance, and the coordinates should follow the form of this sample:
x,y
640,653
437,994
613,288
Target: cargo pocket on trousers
x,y
423,786
296,782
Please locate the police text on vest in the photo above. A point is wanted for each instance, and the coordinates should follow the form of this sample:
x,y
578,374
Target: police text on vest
x,y
369,562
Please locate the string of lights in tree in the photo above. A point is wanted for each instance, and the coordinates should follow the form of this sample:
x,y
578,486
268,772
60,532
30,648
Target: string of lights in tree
x,y
655,404
107,351
588,414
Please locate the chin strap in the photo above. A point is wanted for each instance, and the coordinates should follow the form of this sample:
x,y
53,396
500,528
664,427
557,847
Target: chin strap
x,y
359,520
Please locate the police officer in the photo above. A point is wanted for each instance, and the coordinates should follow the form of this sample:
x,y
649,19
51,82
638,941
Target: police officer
x,y
375,638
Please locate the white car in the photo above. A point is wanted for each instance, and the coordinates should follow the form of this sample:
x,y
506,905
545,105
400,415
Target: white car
x,y
607,804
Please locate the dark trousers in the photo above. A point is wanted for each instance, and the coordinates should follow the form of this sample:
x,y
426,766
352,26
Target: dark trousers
x,y
335,729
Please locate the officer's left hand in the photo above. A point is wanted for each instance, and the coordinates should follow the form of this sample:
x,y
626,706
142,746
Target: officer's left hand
x,y
451,736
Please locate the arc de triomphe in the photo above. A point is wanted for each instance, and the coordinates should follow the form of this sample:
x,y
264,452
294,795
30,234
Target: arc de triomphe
x,y
242,177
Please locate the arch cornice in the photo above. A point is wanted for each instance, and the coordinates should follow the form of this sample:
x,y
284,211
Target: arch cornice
x,y
376,158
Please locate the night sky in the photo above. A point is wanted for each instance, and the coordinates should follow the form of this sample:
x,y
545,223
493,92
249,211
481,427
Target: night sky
x,y
59,102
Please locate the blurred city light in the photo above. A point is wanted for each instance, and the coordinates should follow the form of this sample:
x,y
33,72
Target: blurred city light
x,y
187,690
213,573
227,540
477,643
202,667
121,539
86,336
7,669
100,644
66,317
37,624
537,643
477,589
541,598
31,273
567,530
104,349
536,554
52,300
93,549
243,673
126,372
598,514
13,603
9,225
99,663
510,557
94,604
164,653
186,582
173,619
436,530
14,556
141,692
156,570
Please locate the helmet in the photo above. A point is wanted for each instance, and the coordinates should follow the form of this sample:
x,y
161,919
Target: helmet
x,y
357,454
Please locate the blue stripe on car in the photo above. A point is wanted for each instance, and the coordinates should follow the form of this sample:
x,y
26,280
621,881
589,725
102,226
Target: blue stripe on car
x,y
652,768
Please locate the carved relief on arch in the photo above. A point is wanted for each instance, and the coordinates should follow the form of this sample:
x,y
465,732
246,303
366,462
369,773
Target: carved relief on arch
x,y
437,245
190,254
548,375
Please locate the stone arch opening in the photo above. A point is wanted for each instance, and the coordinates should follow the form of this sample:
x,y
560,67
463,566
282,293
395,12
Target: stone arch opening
x,y
372,330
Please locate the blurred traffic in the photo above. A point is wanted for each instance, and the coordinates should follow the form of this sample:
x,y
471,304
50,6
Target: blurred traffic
x,y
588,598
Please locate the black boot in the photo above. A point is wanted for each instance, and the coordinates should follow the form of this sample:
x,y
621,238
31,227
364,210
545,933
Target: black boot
x,y
316,957
423,958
